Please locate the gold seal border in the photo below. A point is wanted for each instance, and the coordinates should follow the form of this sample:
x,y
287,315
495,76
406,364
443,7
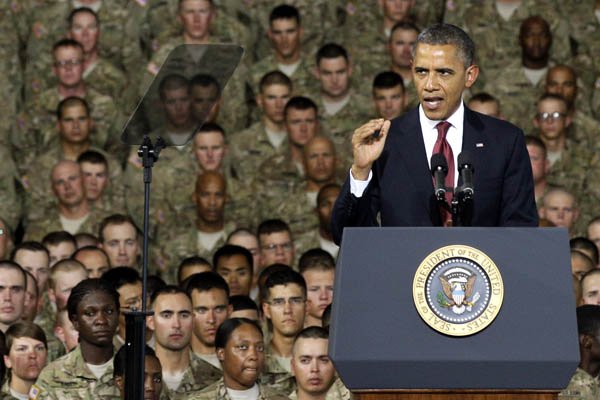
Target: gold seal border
x,y
496,290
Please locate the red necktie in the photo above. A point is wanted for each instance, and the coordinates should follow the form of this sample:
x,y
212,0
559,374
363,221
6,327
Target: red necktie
x,y
442,146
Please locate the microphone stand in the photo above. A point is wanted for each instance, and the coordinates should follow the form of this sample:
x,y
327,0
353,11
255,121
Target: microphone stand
x,y
135,336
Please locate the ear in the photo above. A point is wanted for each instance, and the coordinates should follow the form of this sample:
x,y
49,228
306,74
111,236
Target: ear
x,y
471,75
150,322
568,120
542,212
266,307
59,332
7,362
229,310
221,353
259,101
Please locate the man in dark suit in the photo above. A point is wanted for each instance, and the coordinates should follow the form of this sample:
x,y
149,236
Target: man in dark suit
x,y
391,175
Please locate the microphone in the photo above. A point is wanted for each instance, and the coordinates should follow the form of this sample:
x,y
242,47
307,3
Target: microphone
x,y
466,170
439,170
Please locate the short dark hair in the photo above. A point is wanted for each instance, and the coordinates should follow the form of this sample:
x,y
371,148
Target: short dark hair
x,y
552,96
229,250
284,11
88,248
274,78
387,80
331,50
326,187
270,226
483,97
316,259
76,11
92,157
588,319
205,80
443,34
120,276
228,326
66,43
582,243
6,264
120,359
116,219
24,329
172,82
211,127
70,102
240,302
57,237
284,277
90,286
405,26
190,261
312,332
168,289
300,103
205,281
28,246
531,140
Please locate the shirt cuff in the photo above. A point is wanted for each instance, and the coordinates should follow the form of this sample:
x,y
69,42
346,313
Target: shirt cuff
x,y
357,188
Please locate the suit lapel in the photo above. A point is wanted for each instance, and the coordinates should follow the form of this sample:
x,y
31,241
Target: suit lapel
x,y
473,138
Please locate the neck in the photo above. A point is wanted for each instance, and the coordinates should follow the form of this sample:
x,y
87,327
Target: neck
x,y
74,211
209,227
302,395
196,40
272,125
20,385
554,145
72,150
282,345
334,99
325,233
404,72
89,59
173,361
78,90
310,320
312,186
295,152
287,60
540,188
535,64
200,348
96,355
178,129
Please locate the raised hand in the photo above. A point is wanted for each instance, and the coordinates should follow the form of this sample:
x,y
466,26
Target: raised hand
x,y
367,146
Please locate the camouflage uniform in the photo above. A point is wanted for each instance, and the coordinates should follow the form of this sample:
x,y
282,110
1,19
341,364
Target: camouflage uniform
x,y
274,375
50,222
337,391
197,376
583,386
38,186
303,80
584,129
496,40
454,12
218,391
10,205
249,149
107,79
517,95
340,126
280,169
70,378
178,243
11,75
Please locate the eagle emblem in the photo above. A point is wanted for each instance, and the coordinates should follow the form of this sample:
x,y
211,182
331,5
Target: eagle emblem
x,y
458,296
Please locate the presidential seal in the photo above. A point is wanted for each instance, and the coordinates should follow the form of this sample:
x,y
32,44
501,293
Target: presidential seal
x,y
458,290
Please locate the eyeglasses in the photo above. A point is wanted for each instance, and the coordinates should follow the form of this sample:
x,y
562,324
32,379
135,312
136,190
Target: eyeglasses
x,y
67,63
553,116
287,246
280,302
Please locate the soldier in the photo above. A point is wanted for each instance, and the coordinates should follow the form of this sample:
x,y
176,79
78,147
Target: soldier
x,y
190,266
240,349
517,84
593,231
208,233
34,258
560,207
183,372
31,298
120,239
486,104
153,379
584,383
87,370
11,209
210,303
389,98
27,350
94,259
284,305
243,307
313,370
103,189
13,281
285,34
590,287
60,244
234,264
581,263
562,81
98,72
128,284
276,243
263,139
73,212
403,37
317,267
344,108
540,166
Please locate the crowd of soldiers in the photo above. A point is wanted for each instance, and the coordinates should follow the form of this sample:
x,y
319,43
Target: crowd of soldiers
x,y
240,216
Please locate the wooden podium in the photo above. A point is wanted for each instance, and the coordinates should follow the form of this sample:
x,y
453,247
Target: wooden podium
x,y
383,348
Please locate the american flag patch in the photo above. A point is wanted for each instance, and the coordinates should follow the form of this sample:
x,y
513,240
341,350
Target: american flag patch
x,y
478,144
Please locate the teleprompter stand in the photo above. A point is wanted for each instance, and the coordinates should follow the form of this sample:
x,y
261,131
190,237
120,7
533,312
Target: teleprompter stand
x,y
210,67
383,349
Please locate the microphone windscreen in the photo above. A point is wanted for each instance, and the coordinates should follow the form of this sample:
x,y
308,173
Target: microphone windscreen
x,y
464,158
438,161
